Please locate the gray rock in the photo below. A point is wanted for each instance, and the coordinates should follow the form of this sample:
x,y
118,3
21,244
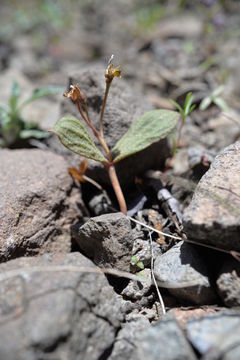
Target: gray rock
x,y
216,335
125,343
213,215
163,340
182,271
136,290
123,107
38,203
107,240
228,283
48,313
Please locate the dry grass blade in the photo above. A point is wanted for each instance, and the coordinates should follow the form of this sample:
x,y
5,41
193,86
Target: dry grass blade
x,y
153,277
235,254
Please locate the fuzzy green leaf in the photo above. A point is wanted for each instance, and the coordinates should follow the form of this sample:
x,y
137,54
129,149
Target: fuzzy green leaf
x,y
41,92
33,133
146,130
15,93
73,134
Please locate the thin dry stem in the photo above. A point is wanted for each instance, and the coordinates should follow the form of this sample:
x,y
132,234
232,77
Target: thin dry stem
x,y
153,277
108,84
235,254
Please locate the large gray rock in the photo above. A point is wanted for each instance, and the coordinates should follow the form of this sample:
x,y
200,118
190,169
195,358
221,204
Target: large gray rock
x,y
228,283
49,313
164,340
182,271
216,336
125,344
38,203
107,240
124,105
213,216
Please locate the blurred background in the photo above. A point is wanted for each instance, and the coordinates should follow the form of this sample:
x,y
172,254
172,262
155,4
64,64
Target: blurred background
x,y
165,48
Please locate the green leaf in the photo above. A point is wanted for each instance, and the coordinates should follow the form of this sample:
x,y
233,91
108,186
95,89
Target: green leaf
x,y
178,107
218,91
39,93
33,133
146,130
221,104
134,260
192,108
10,129
15,93
205,103
73,134
188,104
4,107
140,265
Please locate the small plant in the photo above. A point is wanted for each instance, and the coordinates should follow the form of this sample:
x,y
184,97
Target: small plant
x,y
185,111
13,127
214,98
136,262
147,129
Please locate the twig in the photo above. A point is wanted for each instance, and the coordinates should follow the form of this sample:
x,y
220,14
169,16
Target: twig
x,y
153,276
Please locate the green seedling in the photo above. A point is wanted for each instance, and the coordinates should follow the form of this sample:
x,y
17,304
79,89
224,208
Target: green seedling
x,y
214,98
185,111
13,126
136,262
147,129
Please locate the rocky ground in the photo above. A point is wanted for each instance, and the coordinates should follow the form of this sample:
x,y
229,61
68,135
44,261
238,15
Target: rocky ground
x,y
78,279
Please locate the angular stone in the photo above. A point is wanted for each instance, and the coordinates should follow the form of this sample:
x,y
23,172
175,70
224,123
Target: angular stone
x,y
107,240
182,271
163,340
213,216
123,106
37,204
228,283
136,290
125,343
216,336
56,307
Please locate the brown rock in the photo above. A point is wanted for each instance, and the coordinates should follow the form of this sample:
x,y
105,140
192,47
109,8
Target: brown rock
x,y
37,205
213,216
107,240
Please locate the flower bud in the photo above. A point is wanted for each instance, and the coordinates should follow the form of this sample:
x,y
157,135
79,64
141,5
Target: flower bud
x,y
75,94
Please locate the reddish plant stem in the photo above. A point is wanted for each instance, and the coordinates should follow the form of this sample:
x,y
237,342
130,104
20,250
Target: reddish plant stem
x,y
117,189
